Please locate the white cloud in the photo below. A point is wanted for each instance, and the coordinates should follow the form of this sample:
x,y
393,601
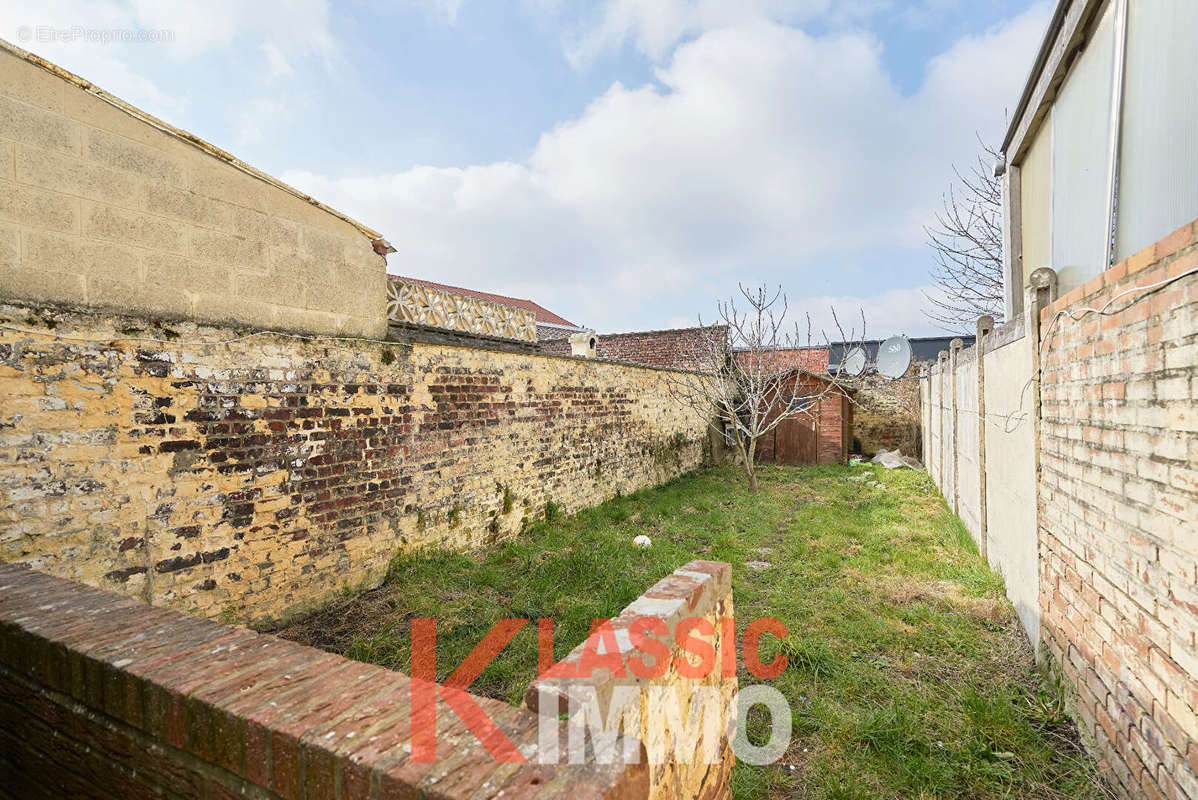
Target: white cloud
x,y
441,10
654,28
276,61
898,311
762,153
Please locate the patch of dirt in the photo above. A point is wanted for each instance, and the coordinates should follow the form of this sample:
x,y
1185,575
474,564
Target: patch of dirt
x,y
985,609
339,623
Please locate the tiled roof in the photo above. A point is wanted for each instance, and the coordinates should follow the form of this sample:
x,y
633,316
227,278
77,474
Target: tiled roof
x,y
544,315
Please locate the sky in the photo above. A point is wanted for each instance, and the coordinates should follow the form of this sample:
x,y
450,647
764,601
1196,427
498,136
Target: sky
x,y
625,164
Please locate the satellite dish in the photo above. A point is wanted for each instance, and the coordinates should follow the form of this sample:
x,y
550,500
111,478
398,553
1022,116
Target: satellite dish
x,y
894,357
854,362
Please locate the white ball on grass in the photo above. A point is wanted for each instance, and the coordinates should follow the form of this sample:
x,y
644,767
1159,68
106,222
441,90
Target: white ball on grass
x,y
642,541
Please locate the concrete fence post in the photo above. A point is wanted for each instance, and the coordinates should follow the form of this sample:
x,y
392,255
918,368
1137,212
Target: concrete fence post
x,y
925,415
942,406
985,326
954,356
1041,291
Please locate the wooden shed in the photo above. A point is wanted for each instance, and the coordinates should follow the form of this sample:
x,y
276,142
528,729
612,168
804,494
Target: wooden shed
x,y
821,435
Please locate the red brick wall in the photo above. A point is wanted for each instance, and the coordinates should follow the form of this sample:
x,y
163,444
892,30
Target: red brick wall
x,y
682,348
1119,516
102,696
812,359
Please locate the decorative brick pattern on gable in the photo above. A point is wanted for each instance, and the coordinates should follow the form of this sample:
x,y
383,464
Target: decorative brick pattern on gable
x,y
252,479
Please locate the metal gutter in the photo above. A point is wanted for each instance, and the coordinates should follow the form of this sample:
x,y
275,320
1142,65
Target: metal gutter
x,y
1050,36
1116,123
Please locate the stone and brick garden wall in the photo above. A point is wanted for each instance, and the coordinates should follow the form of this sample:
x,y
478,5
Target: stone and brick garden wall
x,y
254,478
886,414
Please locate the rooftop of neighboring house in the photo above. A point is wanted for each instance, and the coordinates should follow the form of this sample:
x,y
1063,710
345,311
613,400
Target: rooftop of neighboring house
x,y
923,348
819,358
544,315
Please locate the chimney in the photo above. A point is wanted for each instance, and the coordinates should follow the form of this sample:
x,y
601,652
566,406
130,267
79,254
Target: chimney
x,y
583,344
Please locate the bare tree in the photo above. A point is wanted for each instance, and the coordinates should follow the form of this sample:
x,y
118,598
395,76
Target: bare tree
x,y
967,240
755,364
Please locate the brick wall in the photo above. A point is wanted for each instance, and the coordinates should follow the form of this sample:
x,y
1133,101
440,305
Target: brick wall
x,y
701,590
102,696
681,348
1119,517
105,207
252,479
835,427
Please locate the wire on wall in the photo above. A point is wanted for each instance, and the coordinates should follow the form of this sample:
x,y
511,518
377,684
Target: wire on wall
x,y
1012,421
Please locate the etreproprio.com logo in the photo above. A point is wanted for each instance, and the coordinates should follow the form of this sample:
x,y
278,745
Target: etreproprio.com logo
x,y
72,34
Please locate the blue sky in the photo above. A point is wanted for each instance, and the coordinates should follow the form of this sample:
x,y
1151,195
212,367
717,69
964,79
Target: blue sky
x,y
625,164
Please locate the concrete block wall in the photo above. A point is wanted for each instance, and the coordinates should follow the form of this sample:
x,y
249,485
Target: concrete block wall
x,y
980,453
1119,515
104,207
699,593
103,696
255,478
1011,542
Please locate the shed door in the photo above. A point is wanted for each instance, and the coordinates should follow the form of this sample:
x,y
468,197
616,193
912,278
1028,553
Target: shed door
x,y
795,442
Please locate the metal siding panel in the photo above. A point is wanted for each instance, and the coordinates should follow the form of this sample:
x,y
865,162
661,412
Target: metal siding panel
x,y
1035,200
1158,171
1081,136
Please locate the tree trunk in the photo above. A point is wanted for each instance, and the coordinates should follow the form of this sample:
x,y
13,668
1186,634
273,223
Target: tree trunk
x,y
751,466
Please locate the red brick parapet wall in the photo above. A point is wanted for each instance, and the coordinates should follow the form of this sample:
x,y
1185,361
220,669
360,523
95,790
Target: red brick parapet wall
x,y
1119,515
103,696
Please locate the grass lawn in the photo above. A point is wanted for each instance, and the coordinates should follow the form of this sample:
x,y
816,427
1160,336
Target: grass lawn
x,y
908,675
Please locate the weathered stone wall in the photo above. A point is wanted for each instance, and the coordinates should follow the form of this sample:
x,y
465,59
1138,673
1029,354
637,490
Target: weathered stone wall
x,y
694,601
105,697
886,414
105,207
252,478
